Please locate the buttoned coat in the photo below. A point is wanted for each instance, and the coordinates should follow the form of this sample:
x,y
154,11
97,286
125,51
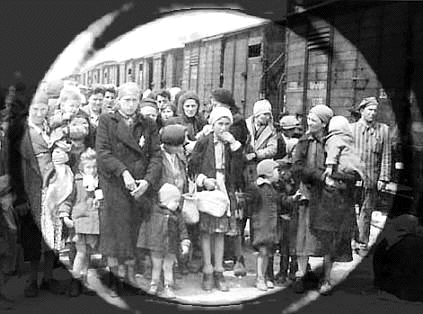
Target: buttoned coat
x,y
118,149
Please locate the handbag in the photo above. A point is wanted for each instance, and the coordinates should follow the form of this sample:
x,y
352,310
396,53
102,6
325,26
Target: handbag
x,y
215,203
189,207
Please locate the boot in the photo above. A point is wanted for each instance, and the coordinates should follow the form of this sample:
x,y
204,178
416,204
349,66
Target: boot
x,y
239,268
207,283
114,285
220,282
75,288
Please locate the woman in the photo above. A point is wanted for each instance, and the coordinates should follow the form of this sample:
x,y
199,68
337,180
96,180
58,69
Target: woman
x,y
129,166
325,220
189,116
211,173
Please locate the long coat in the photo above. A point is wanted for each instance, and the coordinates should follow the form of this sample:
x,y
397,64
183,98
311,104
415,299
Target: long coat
x,y
325,225
119,149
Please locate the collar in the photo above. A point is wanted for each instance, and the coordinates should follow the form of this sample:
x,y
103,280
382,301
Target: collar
x,y
40,130
260,181
126,117
311,137
366,125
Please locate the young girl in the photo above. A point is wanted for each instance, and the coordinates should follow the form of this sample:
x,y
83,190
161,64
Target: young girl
x,y
214,162
265,203
161,234
81,213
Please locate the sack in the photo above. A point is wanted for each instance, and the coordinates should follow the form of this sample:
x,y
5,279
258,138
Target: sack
x,y
189,209
215,203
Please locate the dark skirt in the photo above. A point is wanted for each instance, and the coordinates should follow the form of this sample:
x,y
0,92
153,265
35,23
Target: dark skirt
x,y
210,224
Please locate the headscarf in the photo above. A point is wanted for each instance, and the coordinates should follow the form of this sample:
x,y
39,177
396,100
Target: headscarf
x,y
323,112
262,106
218,113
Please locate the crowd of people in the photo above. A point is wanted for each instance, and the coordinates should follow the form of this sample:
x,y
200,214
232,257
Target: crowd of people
x,y
117,170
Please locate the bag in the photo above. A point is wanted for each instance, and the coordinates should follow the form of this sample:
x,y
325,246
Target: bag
x,y
189,207
215,203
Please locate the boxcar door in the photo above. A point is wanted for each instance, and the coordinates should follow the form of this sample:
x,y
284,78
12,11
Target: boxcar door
x,y
254,70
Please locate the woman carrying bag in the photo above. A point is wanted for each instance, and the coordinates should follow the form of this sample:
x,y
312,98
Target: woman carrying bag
x,y
215,173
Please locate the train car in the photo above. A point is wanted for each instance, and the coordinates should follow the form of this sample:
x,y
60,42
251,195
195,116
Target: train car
x,y
248,62
338,53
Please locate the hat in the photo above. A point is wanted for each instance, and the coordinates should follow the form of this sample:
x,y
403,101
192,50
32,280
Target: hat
x,y
339,124
218,113
173,134
167,193
266,166
148,102
323,112
289,122
223,96
367,102
262,106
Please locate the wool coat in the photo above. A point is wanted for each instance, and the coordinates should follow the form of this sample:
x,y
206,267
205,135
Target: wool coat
x,y
121,148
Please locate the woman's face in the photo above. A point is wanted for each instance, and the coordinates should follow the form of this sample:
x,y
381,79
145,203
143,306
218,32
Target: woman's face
x,y
314,123
95,102
190,108
38,113
128,102
166,113
222,125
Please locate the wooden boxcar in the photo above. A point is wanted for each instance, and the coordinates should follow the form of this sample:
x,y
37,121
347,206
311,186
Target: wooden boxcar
x,y
338,53
248,62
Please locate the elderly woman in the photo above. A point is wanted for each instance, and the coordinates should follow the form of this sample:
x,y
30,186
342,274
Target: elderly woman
x,y
211,163
129,166
326,217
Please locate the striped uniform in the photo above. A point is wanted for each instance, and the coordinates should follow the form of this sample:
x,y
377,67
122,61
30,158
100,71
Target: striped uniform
x,y
373,145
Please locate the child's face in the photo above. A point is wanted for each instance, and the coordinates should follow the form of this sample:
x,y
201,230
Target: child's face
x,y
90,168
275,175
166,113
70,106
173,204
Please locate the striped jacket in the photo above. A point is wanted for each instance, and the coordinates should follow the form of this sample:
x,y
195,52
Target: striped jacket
x,y
374,146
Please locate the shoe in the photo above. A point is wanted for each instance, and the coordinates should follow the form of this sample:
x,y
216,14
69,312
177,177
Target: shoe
x,y
298,285
261,285
280,278
31,290
207,283
114,285
220,282
168,292
75,288
239,268
270,284
154,287
325,288
52,285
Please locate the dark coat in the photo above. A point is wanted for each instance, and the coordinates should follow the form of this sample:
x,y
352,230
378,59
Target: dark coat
x,y
193,125
265,203
163,231
119,150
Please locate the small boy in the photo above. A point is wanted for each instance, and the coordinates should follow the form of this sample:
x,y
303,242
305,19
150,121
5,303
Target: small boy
x,y
163,234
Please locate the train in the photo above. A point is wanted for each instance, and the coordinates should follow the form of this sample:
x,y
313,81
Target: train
x,y
248,62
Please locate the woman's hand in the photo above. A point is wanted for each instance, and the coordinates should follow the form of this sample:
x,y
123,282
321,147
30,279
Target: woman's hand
x,y
227,137
140,189
129,181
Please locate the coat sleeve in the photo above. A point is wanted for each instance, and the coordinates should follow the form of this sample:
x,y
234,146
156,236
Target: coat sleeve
x,y
105,158
271,148
385,166
197,154
182,229
65,209
154,169
300,171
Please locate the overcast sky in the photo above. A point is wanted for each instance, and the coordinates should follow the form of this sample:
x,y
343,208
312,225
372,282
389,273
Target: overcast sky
x,y
168,32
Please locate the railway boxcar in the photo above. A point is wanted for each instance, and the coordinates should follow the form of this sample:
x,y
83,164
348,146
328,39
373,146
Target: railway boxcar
x,y
248,62
338,53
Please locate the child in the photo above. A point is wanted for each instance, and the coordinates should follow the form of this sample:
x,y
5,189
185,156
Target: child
x,y
72,125
341,156
265,203
81,213
214,162
161,234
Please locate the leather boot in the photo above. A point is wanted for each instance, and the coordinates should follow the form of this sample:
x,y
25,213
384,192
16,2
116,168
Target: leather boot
x,y
208,283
